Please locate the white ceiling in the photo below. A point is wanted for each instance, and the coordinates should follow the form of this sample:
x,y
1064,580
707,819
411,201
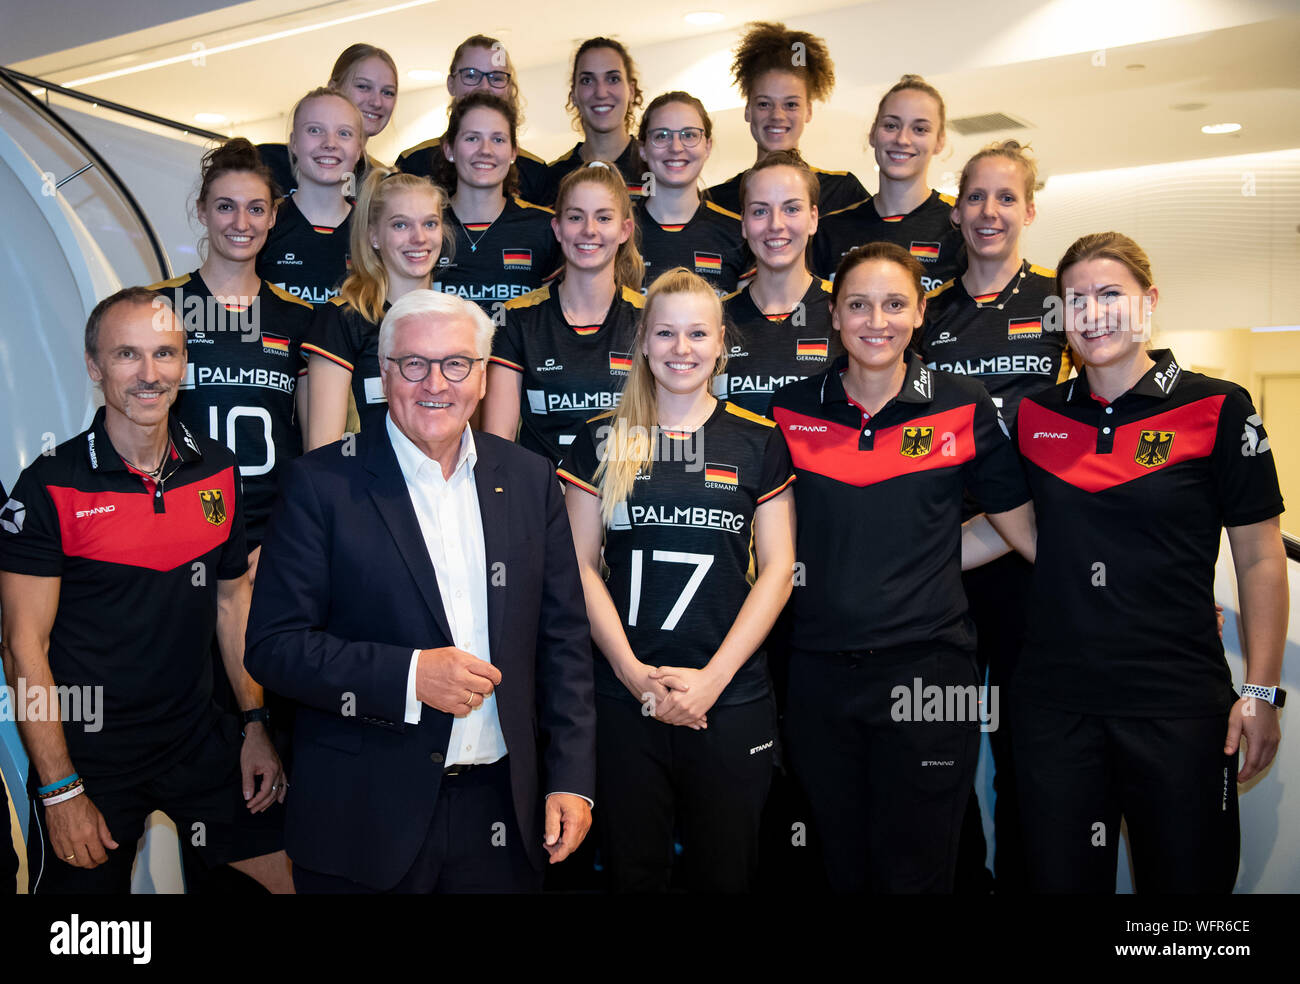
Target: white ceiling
x,y
1061,65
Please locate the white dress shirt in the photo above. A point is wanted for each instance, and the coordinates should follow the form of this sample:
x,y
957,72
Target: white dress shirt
x,y
449,517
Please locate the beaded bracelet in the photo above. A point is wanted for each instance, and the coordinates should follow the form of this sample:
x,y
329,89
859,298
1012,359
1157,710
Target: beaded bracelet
x,y
76,790
62,789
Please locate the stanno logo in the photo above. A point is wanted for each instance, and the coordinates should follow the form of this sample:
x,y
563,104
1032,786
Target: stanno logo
x,y
550,366
944,338
812,429
763,747
97,510
90,447
1055,435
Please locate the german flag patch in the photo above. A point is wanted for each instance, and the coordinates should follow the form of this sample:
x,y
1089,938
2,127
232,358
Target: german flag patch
x,y
275,343
727,476
925,252
620,361
517,259
708,262
811,348
1025,327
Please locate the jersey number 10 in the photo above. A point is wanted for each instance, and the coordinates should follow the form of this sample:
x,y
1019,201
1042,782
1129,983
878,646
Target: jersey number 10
x,y
257,413
702,564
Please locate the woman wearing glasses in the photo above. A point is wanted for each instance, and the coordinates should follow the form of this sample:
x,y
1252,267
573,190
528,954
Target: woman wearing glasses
x,y
367,76
677,228
482,64
504,245
393,253
603,97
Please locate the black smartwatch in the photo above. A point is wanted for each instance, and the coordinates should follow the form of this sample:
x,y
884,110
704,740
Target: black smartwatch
x,y
256,714
1271,695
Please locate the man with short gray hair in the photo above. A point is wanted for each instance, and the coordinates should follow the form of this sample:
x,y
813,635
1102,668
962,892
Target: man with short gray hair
x,y
420,599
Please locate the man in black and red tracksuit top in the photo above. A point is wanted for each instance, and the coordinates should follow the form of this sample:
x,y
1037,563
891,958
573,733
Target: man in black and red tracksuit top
x,y
122,551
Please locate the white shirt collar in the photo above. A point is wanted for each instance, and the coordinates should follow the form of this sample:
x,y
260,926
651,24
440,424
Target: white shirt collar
x,y
411,459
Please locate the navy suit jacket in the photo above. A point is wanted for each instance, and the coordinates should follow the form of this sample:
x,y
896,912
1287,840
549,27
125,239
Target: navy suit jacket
x,y
345,590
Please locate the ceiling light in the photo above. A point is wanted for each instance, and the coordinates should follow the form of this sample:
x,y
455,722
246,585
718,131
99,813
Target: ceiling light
x,y
193,53
703,18
1278,328
424,75
211,119
1213,128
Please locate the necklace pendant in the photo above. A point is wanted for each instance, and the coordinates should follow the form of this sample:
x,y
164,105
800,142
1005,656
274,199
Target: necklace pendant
x,y
473,247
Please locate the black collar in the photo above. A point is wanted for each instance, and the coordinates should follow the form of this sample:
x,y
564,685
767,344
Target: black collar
x,y
103,457
1158,382
918,383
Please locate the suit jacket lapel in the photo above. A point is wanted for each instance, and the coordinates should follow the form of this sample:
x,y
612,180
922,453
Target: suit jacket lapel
x,y
493,490
393,501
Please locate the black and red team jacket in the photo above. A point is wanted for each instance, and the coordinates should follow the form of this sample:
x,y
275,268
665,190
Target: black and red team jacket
x,y
1131,499
138,564
879,503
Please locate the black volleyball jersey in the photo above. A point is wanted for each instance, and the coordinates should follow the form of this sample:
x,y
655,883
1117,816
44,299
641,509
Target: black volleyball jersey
x,y
1011,340
680,550
306,260
839,189
499,260
926,232
570,372
276,158
767,351
426,160
1131,499
709,244
340,333
240,381
630,164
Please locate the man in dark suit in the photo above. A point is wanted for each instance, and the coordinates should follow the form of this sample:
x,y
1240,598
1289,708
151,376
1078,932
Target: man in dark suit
x,y
419,597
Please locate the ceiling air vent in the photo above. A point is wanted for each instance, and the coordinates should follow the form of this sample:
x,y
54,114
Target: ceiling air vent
x,y
986,123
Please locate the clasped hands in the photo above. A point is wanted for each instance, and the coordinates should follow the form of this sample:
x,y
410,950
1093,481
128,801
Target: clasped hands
x,y
676,695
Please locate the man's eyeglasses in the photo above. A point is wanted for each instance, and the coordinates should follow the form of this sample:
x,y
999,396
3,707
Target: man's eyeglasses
x,y
662,136
472,77
416,368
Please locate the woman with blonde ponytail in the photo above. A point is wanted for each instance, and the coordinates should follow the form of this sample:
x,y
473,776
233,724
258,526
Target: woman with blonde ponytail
x,y
683,496
568,346
394,251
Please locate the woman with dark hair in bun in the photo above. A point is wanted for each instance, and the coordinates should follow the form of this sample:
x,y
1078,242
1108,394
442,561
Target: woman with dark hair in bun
x,y
243,334
883,449
504,245
603,98
367,76
781,73
481,64
679,228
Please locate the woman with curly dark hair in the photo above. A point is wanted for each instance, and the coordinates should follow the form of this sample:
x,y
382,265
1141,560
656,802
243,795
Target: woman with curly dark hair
x,y
781,73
